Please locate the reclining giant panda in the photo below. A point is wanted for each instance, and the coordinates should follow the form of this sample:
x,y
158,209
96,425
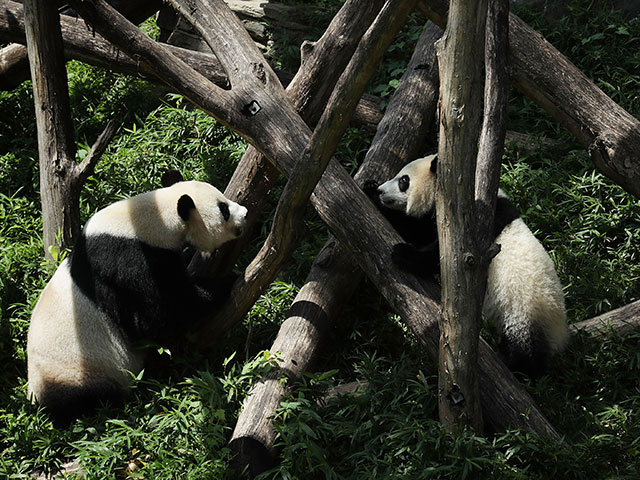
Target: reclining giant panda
x,y
523,295
125,283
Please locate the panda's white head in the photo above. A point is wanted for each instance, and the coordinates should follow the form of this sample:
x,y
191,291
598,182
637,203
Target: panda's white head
x,y
413,189
182,212
209,218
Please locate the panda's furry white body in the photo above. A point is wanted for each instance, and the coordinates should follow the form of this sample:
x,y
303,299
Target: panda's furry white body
x,y
523,289
125,284
64,324
523,296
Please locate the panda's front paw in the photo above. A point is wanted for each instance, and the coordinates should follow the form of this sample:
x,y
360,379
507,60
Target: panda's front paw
x,y
370,188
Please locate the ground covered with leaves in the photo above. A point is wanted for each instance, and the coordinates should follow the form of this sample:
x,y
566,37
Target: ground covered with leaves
x,y
181,411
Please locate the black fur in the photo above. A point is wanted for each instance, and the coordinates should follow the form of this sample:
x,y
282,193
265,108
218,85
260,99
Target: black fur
x,y
529,355
145,290
185,205
66,403
418,231
170,177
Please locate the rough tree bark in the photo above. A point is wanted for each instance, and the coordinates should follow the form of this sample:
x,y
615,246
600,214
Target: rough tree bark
x,y
56,147
321,65
282,136
334,276
61,178
623,321
609,133
461,268
287,224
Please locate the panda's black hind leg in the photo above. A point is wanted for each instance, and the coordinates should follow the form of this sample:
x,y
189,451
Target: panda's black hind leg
x,y
66,404
526,353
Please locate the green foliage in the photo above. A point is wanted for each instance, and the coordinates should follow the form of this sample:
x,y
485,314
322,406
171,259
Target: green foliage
x,y
179,415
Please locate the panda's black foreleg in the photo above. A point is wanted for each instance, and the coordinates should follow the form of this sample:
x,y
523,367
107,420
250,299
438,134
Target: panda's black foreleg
x,y
423,262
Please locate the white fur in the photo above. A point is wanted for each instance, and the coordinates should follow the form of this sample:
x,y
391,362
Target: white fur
x,y
523,287
152,217
419,198
70,341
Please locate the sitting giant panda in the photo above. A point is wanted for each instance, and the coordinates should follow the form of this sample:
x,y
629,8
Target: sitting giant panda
x,y
523,297
125,283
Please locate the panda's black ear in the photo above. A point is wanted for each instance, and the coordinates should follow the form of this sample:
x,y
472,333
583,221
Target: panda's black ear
x,y
185,205
170,177
434,163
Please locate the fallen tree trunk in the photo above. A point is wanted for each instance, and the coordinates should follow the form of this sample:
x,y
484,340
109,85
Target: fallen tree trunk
x,y
623,321
609,133
282,136
334,276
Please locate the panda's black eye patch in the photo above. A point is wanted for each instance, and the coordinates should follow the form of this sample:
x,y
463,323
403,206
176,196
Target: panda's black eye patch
x,y
403,183
224,210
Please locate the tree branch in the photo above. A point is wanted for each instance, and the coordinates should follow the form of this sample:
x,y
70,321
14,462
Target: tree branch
x,y
287,225
84,169
309,92
335,275
623,321
609,133
461,267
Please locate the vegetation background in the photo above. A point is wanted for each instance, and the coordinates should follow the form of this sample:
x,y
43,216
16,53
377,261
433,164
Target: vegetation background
x,y
182,409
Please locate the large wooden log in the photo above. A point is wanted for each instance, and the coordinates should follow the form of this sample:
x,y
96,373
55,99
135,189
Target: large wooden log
x,y
462,264
56,146
282,136
288,221
609,133
623,321
322,63
334,276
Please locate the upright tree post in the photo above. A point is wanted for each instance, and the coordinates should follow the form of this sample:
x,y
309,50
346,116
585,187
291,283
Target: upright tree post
x,y
460,54
56,147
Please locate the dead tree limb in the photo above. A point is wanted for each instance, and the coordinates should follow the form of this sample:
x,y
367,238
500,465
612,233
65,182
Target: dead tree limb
x,y
334,275
322,63
282,136
623,321
56,146
462,264
61,178
609,133
287,224
15,67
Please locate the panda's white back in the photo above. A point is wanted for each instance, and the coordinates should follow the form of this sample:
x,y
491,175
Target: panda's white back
x,y
523,287
70,341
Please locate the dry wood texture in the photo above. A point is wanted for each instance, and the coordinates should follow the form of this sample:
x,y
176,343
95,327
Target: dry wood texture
x,y
460,55
56,146
322,63
282,136
623,321
334,275
606,130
